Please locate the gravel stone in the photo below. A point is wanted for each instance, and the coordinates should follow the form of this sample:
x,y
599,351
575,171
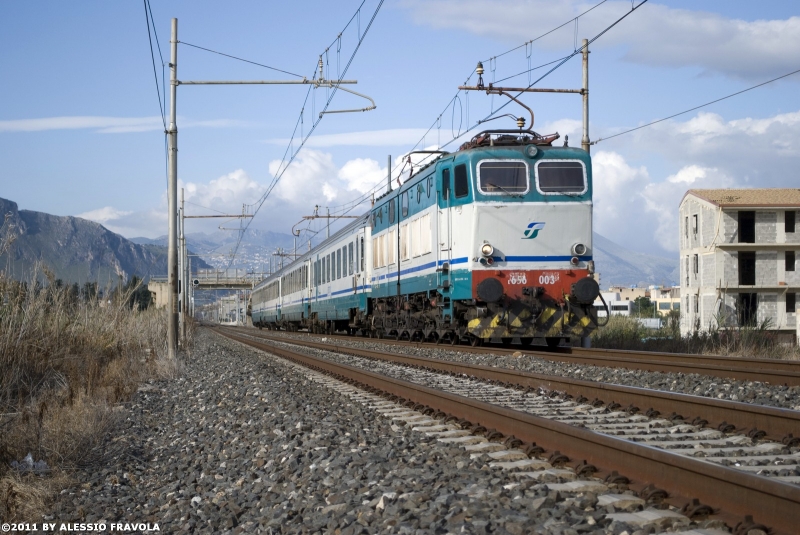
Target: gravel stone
x,y
247,443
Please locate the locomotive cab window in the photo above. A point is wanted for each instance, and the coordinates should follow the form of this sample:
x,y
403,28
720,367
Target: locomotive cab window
x,y
560,176
503,177
445,184
461,181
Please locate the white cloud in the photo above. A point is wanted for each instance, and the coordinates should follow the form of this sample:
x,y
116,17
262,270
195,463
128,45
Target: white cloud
x,y
704,151
311,178
103,215
224,194
149,223
372,138
655,34
108,125
362,174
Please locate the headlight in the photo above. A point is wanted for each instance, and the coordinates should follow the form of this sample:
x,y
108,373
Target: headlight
x,y
579,249
487,249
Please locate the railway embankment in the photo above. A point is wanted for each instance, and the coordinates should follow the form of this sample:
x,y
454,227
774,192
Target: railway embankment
x,y
246,442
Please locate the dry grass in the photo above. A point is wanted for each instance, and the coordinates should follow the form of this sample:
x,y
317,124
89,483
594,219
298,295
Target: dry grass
x,y
65,363
624,332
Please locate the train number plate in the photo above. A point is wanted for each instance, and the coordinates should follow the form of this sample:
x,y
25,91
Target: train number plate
x,y
516,277
549,278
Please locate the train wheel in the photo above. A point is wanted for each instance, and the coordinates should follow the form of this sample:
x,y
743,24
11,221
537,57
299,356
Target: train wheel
x,y
506,341
526,341
553,341
455,339
475,341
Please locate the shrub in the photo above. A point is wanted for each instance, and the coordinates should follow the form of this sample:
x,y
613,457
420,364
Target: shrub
x,y
66,358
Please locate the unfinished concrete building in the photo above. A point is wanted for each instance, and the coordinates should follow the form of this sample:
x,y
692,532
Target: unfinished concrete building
x,y
738,251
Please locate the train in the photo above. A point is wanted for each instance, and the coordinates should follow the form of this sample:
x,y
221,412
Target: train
x,y
490,242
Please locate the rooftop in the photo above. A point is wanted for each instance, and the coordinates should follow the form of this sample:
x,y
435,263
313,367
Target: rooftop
x,y
749,197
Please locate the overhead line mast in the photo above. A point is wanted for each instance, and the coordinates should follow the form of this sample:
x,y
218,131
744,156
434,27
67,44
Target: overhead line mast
x,y
172,190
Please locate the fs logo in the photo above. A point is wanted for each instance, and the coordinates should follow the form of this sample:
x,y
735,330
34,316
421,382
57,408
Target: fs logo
x,y
533,230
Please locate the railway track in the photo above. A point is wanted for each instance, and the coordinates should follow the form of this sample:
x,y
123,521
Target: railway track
x,y
773,371
646,448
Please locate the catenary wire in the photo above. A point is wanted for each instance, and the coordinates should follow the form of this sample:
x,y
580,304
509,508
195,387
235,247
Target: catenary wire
x,y
241,59
526,43
148,13
282,170
696,107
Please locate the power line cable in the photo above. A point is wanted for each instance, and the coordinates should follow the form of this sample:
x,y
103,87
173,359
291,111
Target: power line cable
x,y
241,59
282,168
153,59
696,107
148,14
526,43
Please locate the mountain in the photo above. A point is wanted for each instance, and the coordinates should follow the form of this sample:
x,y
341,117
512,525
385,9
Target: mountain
x,y
75,249
619,266
254,253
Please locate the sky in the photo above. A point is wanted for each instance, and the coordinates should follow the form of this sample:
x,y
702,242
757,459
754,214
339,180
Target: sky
x,y
81,130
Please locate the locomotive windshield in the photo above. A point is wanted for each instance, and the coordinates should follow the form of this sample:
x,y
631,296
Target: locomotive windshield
x,y
503,177
561,176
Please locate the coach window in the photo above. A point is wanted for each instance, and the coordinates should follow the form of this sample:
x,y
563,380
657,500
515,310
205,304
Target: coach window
x,y
330,267
560,176
391,211
461,188
430,186
419,192
404,203
445,184
350,257
338,274
503,177
361,256
372,221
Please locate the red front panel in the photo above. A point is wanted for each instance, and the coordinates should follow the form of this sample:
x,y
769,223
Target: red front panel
x,y
556,282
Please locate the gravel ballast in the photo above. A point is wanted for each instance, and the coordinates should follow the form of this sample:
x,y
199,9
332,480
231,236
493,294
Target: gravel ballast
x,y
244,442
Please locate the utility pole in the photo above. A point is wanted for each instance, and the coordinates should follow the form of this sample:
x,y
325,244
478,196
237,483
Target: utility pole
x,y
172,203
172,150
583,91
585,139
182,279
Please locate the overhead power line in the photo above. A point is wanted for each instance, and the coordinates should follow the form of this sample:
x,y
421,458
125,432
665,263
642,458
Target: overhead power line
x,y
242,59
290,151
696,107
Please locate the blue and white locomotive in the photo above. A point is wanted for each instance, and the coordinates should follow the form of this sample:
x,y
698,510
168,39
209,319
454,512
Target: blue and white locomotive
x,y
491,241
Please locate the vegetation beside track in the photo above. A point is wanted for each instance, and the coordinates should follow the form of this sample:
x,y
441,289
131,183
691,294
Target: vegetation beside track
x,y
625,332
66,362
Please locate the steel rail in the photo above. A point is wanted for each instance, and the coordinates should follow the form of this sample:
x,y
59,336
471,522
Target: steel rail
x,y
773,371
776,423
771,502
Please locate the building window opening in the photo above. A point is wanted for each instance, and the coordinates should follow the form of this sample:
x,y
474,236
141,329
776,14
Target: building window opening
x,y
747,268
747,309
791,302
788,224
790,260
694,224
747,226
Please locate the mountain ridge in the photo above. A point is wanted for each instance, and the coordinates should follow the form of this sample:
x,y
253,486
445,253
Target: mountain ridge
x,y
75,249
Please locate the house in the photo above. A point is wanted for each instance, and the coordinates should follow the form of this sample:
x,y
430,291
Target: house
x,y
738,250
665,298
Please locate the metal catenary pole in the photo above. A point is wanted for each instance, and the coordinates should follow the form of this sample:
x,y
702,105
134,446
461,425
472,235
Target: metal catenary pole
x,y
585,93
182,277
172,204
